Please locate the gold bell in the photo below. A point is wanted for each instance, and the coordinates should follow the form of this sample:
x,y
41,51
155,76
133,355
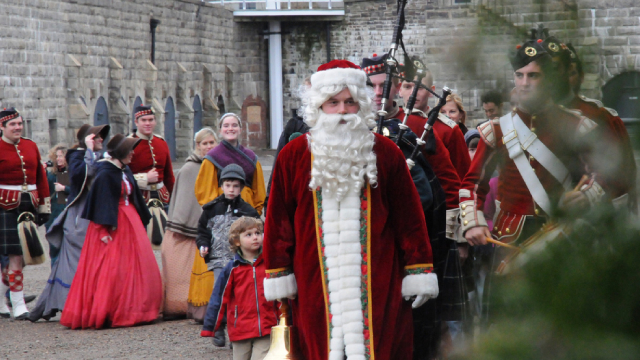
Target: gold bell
x,y
282,346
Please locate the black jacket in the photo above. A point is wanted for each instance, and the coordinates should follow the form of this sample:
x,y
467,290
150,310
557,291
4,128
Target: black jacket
x,y
103,198
217,216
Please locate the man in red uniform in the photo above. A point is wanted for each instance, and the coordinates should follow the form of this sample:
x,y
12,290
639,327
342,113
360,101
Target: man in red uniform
x,y
440,160
345,231
542,148
23,189
152,169
447,129
621,175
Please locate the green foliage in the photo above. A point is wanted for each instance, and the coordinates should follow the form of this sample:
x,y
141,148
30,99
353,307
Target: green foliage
x,y
579,299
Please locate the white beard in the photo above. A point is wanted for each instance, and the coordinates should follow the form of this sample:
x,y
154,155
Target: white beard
x,y
342,154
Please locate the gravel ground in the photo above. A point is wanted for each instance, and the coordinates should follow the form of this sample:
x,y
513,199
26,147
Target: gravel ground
x,y
161,340
50,340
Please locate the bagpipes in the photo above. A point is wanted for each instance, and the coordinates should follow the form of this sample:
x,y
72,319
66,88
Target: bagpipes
x,y
415,71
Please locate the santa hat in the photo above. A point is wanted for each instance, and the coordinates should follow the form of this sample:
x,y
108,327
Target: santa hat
x,y
339,73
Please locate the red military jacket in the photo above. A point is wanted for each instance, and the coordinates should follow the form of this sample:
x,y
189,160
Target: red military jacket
x,y
622,179
21,165
453,139
153,153
440,161
567,134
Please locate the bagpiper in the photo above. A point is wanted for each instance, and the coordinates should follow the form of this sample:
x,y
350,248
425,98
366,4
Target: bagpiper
x,y
152,169
24,202
440,161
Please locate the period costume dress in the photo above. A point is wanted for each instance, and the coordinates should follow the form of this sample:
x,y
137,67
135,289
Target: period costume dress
x,y
117,283
179,244
68,233
24,202
208,186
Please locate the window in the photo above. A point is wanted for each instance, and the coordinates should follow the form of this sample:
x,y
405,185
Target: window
x,y
53,132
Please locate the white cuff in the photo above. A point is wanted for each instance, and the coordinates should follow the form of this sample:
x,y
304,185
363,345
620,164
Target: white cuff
x,y
46,207
470,216
593,191
420,284
280,288
453,226
141,179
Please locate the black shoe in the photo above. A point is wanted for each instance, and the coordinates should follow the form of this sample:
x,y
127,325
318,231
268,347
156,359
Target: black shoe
x,y
219,339
24,316
5,315
27,299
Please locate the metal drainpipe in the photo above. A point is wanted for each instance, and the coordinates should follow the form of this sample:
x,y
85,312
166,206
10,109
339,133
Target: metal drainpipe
x,y
153,23
328,31
275,82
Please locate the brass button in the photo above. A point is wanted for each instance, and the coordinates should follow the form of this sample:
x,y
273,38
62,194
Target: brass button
x,y
466,223
534,170
464,213
495,228
533,117
533,129
537,212
464,207
507,230
531,158
499,233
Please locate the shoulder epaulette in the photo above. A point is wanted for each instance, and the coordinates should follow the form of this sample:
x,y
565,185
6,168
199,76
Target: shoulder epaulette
x,y
574,112
26,138
487,132
597,103
159,137
611,111
446,120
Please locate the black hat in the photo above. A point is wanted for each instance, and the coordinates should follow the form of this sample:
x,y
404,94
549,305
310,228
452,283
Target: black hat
x,y
375,64
120,146
552,45
232,172
8,114
142,110
86,129
530,51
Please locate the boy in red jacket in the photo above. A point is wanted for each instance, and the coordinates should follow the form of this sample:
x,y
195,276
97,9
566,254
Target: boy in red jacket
x,y
240,293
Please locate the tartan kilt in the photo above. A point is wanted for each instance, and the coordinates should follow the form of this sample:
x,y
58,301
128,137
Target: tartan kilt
x,y
9,239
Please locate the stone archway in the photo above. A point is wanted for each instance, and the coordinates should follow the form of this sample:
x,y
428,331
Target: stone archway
x,y
101,115
622,93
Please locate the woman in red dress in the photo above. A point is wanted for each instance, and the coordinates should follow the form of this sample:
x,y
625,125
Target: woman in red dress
x,y
118,282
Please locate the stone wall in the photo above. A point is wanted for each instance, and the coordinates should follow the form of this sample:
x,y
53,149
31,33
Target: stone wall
x,y
466,45
61,56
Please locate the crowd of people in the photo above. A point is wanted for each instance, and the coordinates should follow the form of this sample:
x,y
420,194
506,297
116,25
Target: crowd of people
x,y
376,257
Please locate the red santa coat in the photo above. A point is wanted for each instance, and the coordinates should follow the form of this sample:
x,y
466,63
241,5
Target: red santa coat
x,y
21,164
623,179
153,153
440,161
395,243
566,134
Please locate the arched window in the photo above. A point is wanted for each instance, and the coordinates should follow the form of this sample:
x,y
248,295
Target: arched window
x,y
170,126
101,115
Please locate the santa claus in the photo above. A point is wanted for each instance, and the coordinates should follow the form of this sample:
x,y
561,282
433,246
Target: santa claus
x,y
345,236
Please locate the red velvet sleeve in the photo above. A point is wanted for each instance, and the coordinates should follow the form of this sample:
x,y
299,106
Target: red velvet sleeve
x,y
279,238
405,210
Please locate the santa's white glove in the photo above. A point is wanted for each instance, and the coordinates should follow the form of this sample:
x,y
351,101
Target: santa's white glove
x,y
419,301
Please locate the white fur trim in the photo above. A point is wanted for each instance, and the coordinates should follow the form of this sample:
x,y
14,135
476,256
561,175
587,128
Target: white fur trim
x,y
420,284
280,288
339,77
